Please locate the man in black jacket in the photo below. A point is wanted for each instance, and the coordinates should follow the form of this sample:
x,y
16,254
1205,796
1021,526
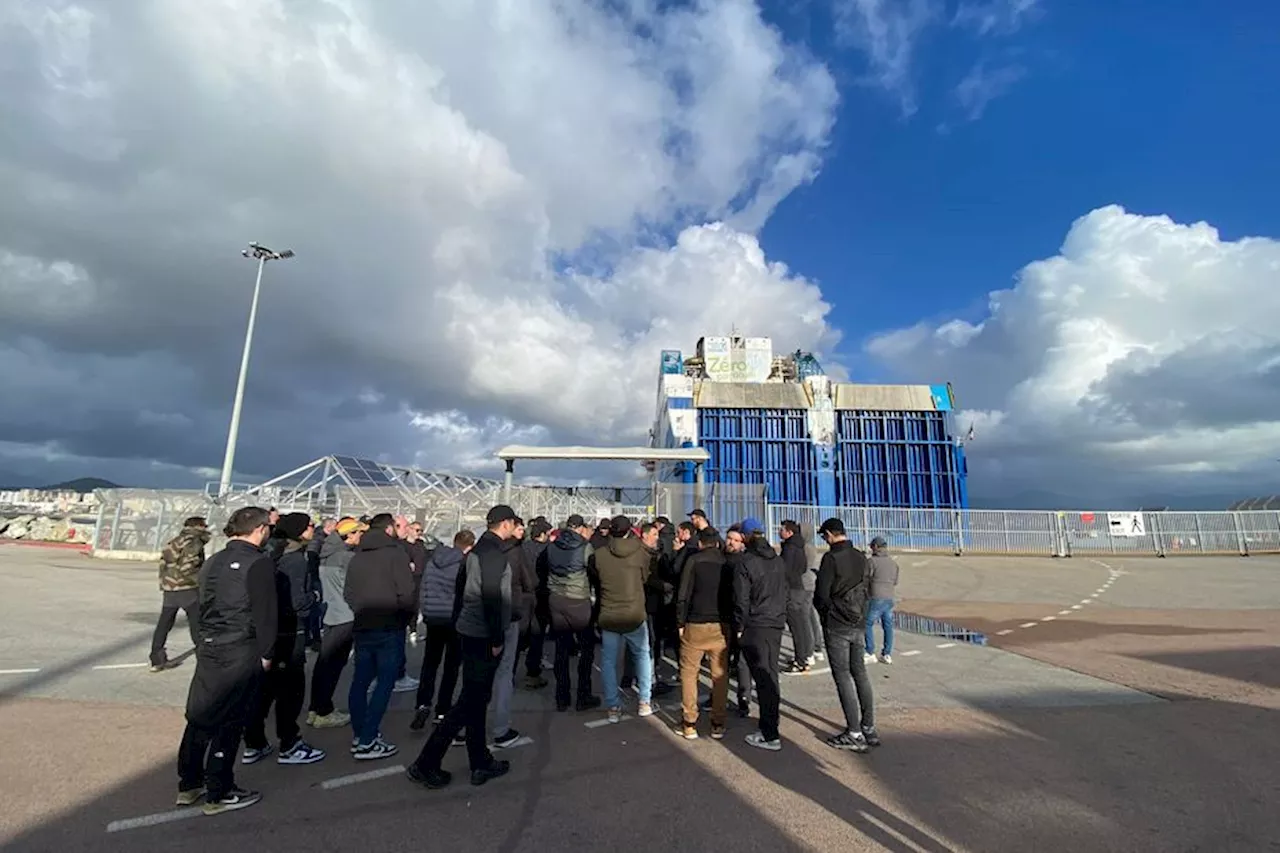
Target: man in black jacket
x,y
537,537
285,684
841,597
704,616
238,613
799,599
379,588
759,615
483,620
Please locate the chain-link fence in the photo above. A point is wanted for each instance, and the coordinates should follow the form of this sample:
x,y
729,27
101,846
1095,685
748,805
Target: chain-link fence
x,y
1049,533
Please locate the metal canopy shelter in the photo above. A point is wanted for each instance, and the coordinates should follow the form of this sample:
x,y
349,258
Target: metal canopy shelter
x,y
697,455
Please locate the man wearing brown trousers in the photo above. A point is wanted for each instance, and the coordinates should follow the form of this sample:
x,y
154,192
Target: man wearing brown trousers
x,y
704,610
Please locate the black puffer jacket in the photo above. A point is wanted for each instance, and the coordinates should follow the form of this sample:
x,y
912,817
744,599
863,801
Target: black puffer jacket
x,y
794,558
760,589
295,593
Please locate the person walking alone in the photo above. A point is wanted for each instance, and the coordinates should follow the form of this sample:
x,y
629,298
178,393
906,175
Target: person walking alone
x,y
379,588
759,615
335,642
236,645
483,620
884,584
180,564
841,597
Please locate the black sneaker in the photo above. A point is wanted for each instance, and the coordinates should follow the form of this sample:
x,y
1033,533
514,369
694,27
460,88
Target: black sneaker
x,y
744,709
562,706
871,736
460,739
493,771
420,718
851,741
233,800
589,703
432,780
506,739
796,667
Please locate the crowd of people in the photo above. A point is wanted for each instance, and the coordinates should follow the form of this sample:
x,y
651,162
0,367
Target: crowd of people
x,y
362,589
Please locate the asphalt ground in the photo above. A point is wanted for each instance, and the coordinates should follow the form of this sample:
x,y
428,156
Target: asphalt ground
x,y
1144,719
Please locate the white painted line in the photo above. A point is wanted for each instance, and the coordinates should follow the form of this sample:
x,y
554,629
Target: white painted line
x,y
1027,625
918,563
121,665
1100,590
1064,612
357,778
153,819
910,653
1084,601
1076,606
1048,618
945,645
604,721
17,671
1004,632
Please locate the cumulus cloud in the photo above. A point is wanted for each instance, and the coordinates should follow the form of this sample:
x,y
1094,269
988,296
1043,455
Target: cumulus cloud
x,y
501,213
1140,363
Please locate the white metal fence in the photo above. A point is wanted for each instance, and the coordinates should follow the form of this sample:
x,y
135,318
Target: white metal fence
x,y
1049,533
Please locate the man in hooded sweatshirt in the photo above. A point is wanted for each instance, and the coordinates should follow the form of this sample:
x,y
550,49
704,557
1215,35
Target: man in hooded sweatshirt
x,y
335,644
759,615
180,565
622,566
442,586
285,684
566,578
483,620
379,588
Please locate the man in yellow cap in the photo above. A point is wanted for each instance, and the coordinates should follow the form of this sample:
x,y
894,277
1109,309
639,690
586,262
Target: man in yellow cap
x,y
335,647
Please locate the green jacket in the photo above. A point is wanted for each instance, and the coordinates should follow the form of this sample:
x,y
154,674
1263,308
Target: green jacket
x,y
182,558
623,568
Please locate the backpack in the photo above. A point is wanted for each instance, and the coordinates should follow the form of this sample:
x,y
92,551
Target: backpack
x,y
854,601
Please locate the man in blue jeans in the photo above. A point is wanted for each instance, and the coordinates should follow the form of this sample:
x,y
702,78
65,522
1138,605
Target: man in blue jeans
x,y
622,566
884,583
379,589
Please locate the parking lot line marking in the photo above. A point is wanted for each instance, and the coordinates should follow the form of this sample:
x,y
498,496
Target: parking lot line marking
x,y
152,819
122,666
1076,606
18,671
1027,625
945,645
910,653
357,778
1064,612
1084,601
1048,618
1004,632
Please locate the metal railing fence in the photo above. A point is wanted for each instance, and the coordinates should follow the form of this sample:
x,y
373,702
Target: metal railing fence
x,y
1058,533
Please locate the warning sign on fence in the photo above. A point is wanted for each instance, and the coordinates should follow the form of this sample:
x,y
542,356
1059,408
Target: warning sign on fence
x,y
1126,524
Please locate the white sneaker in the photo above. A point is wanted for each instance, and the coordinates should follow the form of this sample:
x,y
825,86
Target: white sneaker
x,y
645,710
405,685
758,740
301,753
868,658
378,749
886,659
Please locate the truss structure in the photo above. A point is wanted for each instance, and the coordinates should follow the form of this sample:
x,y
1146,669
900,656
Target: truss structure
x,y
443,503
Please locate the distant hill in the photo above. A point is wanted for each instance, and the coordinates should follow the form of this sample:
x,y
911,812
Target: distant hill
x,y
84,484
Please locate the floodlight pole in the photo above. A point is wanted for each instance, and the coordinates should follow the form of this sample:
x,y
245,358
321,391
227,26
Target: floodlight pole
x,y
261,254
506,481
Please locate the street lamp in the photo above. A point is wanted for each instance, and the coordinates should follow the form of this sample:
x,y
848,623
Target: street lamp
x,y
261,254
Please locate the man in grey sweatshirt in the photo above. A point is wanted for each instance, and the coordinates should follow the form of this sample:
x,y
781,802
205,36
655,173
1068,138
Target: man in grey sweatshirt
x,y
884,583
335,645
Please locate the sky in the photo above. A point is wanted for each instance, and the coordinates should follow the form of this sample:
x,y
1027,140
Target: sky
x,y
503,211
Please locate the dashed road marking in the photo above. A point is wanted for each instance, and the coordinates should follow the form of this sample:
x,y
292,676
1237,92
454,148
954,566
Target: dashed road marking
x,y
604,721
1077,606
357,778
1064,612
19,671
121,666
1048,618
1027,625
153,819
945,645
1005,632
911,653
1084,601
